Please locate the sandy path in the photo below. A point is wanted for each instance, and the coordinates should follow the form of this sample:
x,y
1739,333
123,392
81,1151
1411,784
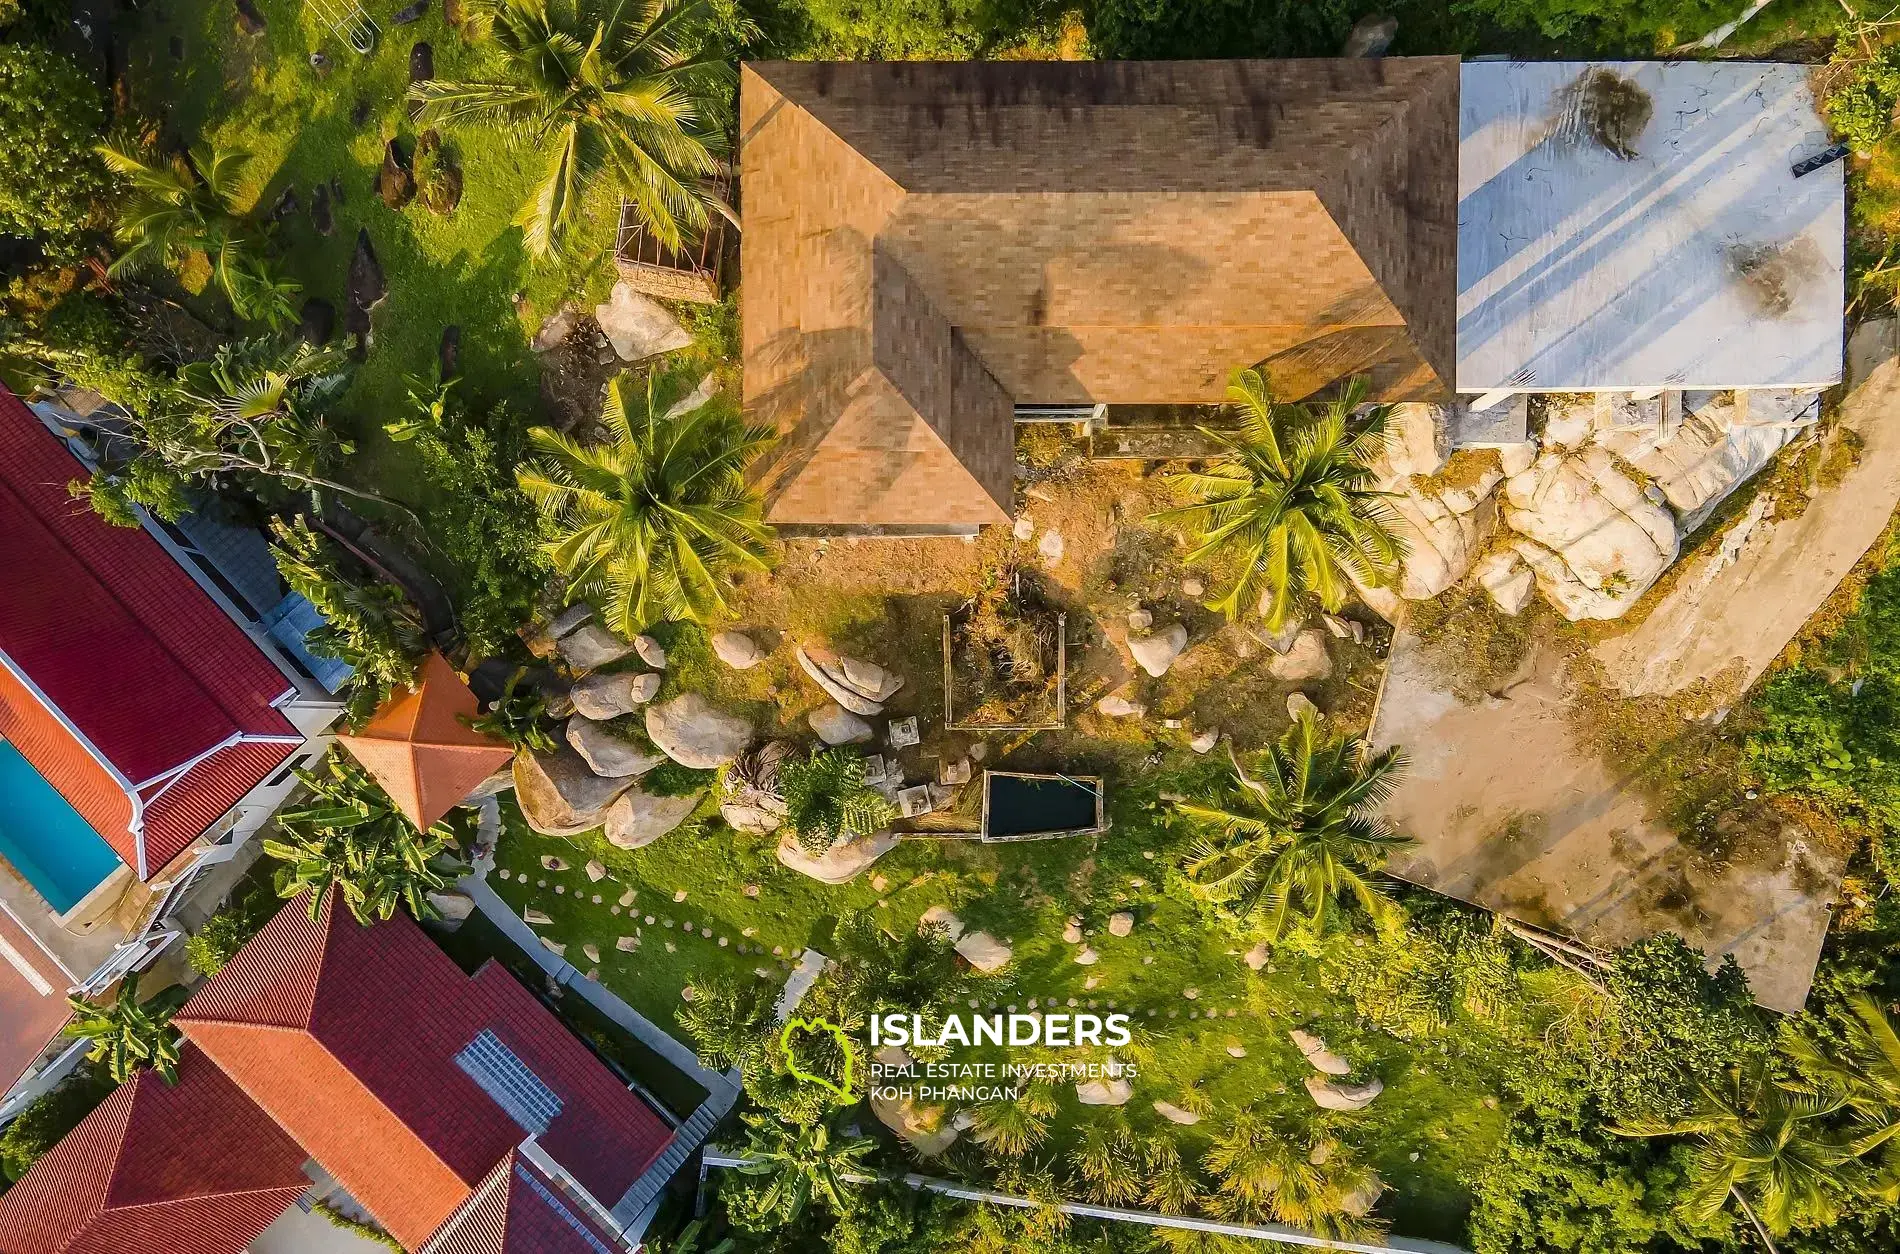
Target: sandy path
x,y
1731,612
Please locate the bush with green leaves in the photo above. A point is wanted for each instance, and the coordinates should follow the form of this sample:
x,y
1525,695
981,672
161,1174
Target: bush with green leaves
x,y
1860,106
48,1118
229,930
53,184
129,1033
827,800
367,623
476,517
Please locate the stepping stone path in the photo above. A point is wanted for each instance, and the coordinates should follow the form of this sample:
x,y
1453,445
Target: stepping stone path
x,y
1087,958
596,871
1073,932
1235,1050
1121,923
626,898
592,951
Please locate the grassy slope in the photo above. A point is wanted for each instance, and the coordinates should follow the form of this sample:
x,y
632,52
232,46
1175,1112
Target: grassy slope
x,y
260,94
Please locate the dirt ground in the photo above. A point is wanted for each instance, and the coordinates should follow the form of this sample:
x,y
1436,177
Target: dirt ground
x,y
1514,811
884,600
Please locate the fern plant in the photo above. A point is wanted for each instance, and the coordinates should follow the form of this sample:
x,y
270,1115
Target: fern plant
x,y
827,800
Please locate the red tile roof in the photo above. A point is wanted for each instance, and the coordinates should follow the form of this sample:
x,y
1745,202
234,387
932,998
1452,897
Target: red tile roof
x,y
348,1037
519,1210
421,751
152,1169
120,669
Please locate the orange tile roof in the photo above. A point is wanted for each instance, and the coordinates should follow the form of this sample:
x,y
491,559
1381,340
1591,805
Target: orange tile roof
x,y
421,751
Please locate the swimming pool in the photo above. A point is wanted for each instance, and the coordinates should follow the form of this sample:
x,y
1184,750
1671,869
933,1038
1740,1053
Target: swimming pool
x,y
45,839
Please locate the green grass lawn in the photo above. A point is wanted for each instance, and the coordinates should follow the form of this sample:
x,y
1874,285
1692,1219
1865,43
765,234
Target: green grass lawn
x,y
261,94
1428,1131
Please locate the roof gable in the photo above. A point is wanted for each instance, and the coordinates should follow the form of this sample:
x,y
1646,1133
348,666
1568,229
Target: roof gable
x,y
989,234
153,1168
420,748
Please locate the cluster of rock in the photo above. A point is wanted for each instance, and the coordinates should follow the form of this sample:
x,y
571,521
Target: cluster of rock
x,y
594,780
1590,515
1327,1088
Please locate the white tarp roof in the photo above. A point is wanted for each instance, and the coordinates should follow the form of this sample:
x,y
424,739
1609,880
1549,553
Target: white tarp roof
x,y
1698,262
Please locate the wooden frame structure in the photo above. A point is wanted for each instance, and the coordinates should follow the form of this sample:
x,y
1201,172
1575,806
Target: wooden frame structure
x,y
950,722
1093,782
694,273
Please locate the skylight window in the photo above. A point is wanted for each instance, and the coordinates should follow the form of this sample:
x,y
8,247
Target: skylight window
x,y
508,1080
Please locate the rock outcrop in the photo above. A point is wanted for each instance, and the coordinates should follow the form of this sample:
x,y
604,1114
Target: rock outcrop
x,y
607,754
737,650
1444,530
601,697
841,863
860,687
591,645
691,732
560,795
1592,537
1156,653
638,326
836,725
1508,580
639,818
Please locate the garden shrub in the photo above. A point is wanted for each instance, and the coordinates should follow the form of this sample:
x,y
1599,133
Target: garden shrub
x,y
52,183
227,931
1218,28
47,1120
1860,109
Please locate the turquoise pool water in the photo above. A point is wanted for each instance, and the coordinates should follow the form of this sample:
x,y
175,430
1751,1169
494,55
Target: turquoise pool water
x,y
45,839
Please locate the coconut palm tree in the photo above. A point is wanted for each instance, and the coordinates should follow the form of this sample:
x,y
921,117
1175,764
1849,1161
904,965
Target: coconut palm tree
x,y
1267,1172
1292,506
126,1034
653,522
799,1164
182,207
354,840
609,91
1304,834
1770,1150
1867,1072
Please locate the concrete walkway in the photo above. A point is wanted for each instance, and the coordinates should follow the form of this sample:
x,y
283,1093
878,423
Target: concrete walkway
x,y
1739,603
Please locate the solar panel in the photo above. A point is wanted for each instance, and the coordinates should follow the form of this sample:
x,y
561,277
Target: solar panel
x,y
507,1079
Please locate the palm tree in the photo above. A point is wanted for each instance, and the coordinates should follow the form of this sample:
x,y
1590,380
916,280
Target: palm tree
x,y
654,521
1867,1072
1769,1149
800,1163
1292,504
607,91
127,1035
827,800
182,207
355,841
1309,1182
1304,834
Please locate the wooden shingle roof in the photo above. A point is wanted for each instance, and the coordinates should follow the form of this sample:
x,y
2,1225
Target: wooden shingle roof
x,y
927,245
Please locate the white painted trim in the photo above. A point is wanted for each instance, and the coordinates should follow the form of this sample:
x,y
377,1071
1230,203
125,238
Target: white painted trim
x,y
27,971
21,924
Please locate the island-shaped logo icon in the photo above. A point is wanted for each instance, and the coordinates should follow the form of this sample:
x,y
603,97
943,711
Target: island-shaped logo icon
x,y
845,1047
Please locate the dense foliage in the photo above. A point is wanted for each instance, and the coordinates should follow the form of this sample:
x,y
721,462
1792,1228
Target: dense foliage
x,y
227,931
368,622
47,1119
827,800
130,1034
52,181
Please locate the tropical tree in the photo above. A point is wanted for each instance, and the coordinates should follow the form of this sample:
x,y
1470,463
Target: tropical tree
x,y
1304,834
1012,1126
183,207
797,1164
1107,1161
1774,1152
613,92
1291,506
370,624
353,839
519,716
1866,1070
1312,1182
653,522
127,1034
728,1019
827,800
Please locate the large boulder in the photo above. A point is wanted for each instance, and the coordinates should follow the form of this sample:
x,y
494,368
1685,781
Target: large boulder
x,y
1509,581
591,645
451,908
737,650
692,733
1594,539
1307,659
1156,653
841,863
639,818
1716,447
1444,530
836,725
1417,442
608,754
1110,1090
638,326
860,687
560,795
602,697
